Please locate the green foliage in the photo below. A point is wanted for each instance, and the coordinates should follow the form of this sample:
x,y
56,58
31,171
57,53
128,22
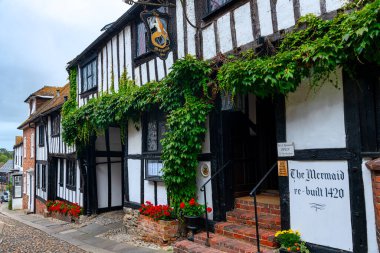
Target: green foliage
x,y
183,95
315,48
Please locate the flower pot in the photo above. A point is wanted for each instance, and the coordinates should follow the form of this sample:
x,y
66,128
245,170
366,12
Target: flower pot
x,y
193,223
286,251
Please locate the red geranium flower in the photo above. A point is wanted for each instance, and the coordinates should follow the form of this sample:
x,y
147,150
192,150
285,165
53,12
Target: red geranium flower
x,y
209,209
182,205
192,202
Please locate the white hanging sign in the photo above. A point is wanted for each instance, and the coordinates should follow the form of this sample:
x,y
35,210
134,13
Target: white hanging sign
x,y
285,149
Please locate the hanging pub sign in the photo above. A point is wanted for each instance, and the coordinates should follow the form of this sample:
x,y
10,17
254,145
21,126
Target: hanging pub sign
x,y
159,39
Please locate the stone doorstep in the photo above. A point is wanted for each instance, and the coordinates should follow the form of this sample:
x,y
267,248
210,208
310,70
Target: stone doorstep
x,y
246,233
228,244
247,217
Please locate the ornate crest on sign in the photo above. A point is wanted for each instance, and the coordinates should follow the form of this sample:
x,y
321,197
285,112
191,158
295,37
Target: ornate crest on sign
x,y
159,39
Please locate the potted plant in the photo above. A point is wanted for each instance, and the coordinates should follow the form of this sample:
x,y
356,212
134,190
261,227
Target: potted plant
x,y
157,223
290,241
192,212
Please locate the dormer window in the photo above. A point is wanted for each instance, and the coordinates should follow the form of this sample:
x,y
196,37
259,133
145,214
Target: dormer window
x,y
216,4
89,81
55,125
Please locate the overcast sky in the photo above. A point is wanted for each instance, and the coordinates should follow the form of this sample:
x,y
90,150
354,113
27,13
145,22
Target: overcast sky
x,y
37,39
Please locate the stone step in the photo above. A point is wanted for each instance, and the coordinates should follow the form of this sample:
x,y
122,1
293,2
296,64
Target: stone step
x,y
246,233
265,204
267,221
227,244
186,246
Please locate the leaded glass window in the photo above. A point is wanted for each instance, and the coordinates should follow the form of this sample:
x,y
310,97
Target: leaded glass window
x,y
89,76
216,4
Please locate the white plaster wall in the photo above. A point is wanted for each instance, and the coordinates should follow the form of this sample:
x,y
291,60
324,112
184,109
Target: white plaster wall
x,y
206,143
200,181
144,74
149,191
104,70
115,141
99,73
128,50
134,139
134,177
224,33
190,30
169,62
369,209
334,4
137,76
109,69
180,33
265,17
310,6
121,52
285,14
152,71
160,68
162,198
243,24
114,62
315,119
331,224
116,183
102,182
209,47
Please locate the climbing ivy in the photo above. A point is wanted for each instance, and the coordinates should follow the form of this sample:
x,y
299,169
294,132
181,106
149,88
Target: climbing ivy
x,y
315,48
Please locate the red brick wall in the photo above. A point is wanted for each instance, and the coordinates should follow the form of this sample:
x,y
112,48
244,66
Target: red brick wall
x,y
161,232
28,162
40,207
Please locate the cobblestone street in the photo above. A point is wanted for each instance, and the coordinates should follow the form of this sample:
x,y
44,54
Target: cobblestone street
x,y
18,237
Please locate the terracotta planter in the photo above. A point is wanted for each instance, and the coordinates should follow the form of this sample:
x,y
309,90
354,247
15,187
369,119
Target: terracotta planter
x,y
63,217
286,251
163,232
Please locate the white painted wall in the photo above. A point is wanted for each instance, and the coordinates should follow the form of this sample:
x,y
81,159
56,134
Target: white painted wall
x,y
285,14
144,74
116,182
134,138
265,17
128,50
330,225
115,141
200,181
180,33
310,7
369,209
206,143
243,24
334,4
162,198
152,71
134,176
320,113
224,33
102,182
190,30
209,47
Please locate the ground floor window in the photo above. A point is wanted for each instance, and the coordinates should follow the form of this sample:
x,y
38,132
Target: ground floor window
x,y
43,177
71,175
17,188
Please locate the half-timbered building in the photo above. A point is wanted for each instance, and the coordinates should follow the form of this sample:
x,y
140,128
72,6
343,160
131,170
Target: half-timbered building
x,y
321,140
35,101
57,171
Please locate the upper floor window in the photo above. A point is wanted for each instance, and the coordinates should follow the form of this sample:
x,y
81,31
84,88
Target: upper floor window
x,y
89,76
216,4
55,125
41,135
61,170
154,129
24,147
43,177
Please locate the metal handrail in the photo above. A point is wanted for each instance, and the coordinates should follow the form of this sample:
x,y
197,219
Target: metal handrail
x,y
253,194
203,189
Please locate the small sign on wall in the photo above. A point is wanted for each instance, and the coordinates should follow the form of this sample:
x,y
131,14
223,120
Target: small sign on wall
x,y
285,149
320,202
282,168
